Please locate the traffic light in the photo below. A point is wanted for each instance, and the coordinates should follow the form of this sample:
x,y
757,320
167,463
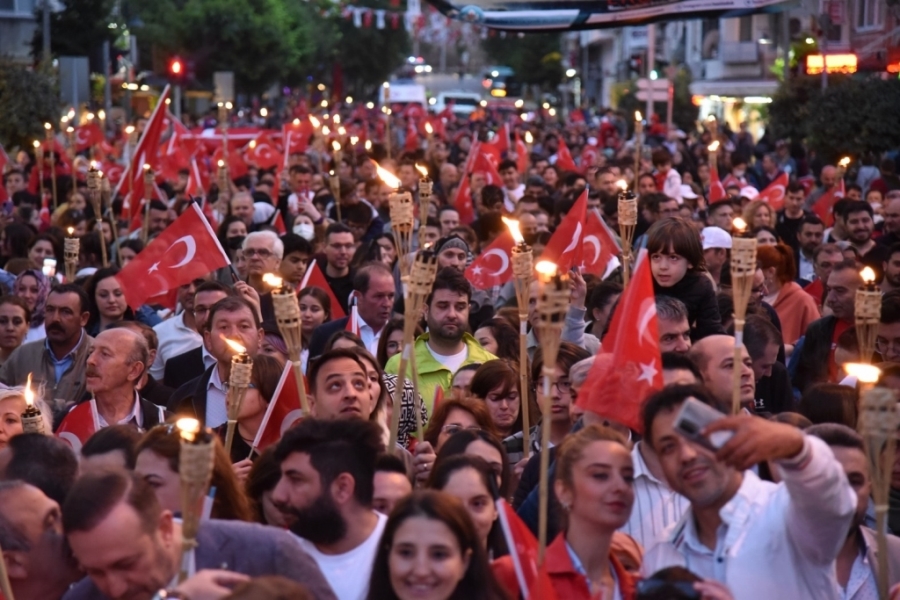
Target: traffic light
x,y
176,70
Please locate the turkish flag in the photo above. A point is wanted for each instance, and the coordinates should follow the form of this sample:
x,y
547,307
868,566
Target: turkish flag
x,y
500,143
278,223
181,136
87,135
483,164
262,152
462,202
565,247
564,158
113,171
599,246
295,135
80,424
589,156
197,184
824,206
314,277
187,250
716,189
773,194
236,165
353,321
523,551
412,137
131,186
523,159
629,367
493,266
283,412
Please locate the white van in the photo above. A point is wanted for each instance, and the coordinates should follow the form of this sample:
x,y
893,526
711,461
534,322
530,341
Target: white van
x,y
464,103
403,92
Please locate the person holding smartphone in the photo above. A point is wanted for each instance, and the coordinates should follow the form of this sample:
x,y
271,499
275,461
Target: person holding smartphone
x,y
761,539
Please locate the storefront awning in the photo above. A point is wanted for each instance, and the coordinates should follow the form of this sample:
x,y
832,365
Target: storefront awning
x,y
735,88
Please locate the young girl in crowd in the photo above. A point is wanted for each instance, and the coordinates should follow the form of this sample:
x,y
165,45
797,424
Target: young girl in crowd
x,y
676,261
33,287
429,538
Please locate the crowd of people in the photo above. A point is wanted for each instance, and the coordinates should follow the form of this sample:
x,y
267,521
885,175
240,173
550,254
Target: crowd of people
x,y
782,509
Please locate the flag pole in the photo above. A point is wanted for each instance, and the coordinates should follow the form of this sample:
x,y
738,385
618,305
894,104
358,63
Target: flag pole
x,y
148,196
552,304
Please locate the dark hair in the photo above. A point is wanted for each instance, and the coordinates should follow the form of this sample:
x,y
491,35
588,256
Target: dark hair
x,y
793,187
602,294
568,355
230,501
337,446
855,206
17,301
478,583
507,338
661,156
476,408
451,279
395,324
507,164
337,228
136,245
46,462
671,397
263,477
459,441
320,295
679,236
679,361
363,277
830,403
112,438
52,240
390,463
810,220
326,357
671,309
835,434
94,496
73,288
781,257
91,289
213,286
759,332
502,373
890,307
231,304
295,243
343,334
17,237
667,584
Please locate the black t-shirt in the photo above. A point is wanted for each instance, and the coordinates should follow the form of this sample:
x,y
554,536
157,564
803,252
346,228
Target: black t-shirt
x,y
342,288
787,229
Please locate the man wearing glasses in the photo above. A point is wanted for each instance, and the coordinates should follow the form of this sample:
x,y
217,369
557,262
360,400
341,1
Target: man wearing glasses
x,y
194,360
263,251
339,248
177,334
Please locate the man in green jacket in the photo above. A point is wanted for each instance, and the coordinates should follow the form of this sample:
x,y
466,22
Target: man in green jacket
x,y
447,346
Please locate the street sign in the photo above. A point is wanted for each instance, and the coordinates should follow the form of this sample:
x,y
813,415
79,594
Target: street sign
x,y
645,83
224,86
654,96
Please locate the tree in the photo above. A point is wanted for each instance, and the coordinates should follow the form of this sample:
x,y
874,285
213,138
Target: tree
x,y
77,30
534,57
852,116
28,99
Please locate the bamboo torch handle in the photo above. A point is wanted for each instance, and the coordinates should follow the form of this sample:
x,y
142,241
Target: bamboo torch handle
x,y
523,384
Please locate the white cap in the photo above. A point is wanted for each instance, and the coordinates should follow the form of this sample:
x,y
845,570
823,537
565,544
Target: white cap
x,y
749,192
715,237
687,191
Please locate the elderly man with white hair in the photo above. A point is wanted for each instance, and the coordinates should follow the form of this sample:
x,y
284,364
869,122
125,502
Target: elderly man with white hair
x,y
263,251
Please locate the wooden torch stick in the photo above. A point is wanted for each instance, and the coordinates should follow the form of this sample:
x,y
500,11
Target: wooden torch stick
x,y
743,268
523,268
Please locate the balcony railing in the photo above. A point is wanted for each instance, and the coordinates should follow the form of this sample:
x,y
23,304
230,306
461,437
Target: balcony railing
x,y
733,53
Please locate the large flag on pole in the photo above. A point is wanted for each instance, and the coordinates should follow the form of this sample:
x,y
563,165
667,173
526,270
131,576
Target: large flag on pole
x,y
566,245
186,250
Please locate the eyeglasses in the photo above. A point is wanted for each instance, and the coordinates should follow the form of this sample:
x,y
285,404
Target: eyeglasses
x,y
563,385
885,346
451,429
260,252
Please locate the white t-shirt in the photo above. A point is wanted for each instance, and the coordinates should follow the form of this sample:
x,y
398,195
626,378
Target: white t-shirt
x,y
453,362
512,197
348,574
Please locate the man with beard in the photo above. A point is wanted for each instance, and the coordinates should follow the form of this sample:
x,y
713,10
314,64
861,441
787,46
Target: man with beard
x,y
56,362
131,548
808,238
858,217
761,539
326,485
37,561
891,266
857,564
447,345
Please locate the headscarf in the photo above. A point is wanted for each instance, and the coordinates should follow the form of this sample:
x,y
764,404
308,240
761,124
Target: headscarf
x,y
43,282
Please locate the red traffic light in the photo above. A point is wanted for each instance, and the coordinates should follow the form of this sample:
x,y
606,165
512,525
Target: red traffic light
x,y
175,66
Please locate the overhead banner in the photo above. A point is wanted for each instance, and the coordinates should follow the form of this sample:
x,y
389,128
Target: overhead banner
x,y
542,15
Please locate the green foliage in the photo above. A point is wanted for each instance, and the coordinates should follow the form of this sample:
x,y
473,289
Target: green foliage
x,y
535,57
28,99
850,117
76,31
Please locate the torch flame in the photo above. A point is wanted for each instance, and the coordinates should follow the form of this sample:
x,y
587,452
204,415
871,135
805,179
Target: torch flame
x,y
545,269
341,131
252,144
296,122
354,140
863,372
428,128
622,184
529,139
129,130
844,162
868,275
387,177
146,168
48,126
336,146
188,428
368,145
235,346
325,131
514,230
422,170
638,116
272,280
28,392
714,147
336,119
71,230
221,163
314,121
739,225
37,144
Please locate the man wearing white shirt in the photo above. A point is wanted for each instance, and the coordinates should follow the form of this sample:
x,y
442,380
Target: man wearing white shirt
x,y
326,486
513,188
763,540
177,334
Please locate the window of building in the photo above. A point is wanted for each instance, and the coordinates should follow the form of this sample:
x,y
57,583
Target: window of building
x,y
869,14
745,33
8,5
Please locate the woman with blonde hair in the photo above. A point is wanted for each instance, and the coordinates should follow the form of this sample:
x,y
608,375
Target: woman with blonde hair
x,y
758,214
12,405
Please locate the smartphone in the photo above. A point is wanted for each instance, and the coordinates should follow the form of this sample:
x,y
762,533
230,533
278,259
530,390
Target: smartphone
x,y
49,267
694,417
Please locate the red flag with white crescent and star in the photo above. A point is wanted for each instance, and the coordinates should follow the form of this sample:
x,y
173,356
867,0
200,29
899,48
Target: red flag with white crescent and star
x,y
773,194
599,246
564,158
187,250
79,424
629,366
566,245
493,266
87,135
261,151
284,411
824,206
314,277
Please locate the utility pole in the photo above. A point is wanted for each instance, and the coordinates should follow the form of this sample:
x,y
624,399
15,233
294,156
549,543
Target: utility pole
x,y
651,60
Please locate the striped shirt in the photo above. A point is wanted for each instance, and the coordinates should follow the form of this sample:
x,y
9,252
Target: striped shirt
x,y
656,507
